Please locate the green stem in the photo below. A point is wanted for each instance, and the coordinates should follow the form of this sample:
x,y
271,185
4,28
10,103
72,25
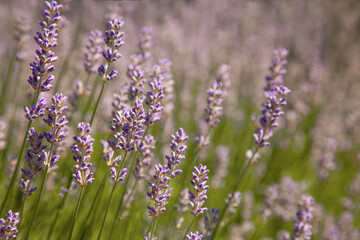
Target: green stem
x,y
16,170
107,210
232,196
97,102
76,210
37,201
189,228
60,206
92,208
90,99
152,226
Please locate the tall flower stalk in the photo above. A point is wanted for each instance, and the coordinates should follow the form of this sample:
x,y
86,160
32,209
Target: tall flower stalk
x,y
114,41
275,98
127,126
41,77
82,149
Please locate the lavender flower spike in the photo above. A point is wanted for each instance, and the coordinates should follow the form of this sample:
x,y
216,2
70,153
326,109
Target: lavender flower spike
x,y
302,227
197,199
113,39
160,191
94,51
177,152
154,97
275,98
194,236
82,150
8,229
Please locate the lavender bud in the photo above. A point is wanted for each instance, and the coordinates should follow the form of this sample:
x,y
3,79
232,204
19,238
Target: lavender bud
x,y
302,227
8,229
197,199
82,149
194,236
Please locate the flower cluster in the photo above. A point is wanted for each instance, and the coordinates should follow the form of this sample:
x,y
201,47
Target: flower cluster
x,y
154,97
233,202
35,157
302,227
210,220
128,127
194,236
94,51
8,229
277,69
35,111
160,190
168,82
47,41
275,98
215,94
136,87
182,206
82,150
197,199
145,43
178,148
113,39
144,148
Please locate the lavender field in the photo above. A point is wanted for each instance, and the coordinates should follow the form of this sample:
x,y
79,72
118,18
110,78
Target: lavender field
x,y
188,119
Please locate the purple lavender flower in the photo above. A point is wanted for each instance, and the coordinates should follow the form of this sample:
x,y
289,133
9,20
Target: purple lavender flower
x,y
168,82
210,220
149,237
178,148
154,97
57,123
113,39
94,51
35,111
144,148
160,191
128,127
197,199
182,206
275,98
277,69
35,157
302,227
47,40
136,87
8,229
82,150
194,236
145,43
234,202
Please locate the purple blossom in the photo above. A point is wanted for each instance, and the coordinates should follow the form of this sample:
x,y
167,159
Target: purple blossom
x,y
82,149
178,148
113,39
275,98
128,127
94,51
154,97
233,200
194,236
136,87
145,42
210,220
197,199
8,229
55,120
160,191
144,148
46,40
302,227
35,111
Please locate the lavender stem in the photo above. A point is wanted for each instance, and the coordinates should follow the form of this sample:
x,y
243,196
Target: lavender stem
x,y
37,200
76,210
111,195
189,228
97,103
